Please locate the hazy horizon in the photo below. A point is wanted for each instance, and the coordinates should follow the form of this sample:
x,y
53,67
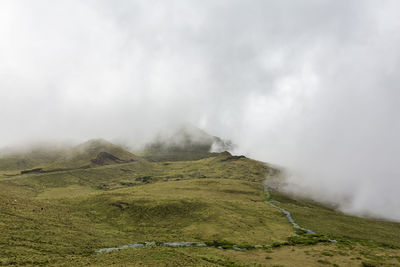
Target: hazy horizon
x,y
309,85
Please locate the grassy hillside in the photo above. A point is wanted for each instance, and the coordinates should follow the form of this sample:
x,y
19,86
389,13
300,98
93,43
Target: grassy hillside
x,y
93,152
73,213
12,161
88,154
325,220
316,255
63,217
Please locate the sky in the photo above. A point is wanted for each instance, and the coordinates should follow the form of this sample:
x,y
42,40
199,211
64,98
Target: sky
x,y
311,85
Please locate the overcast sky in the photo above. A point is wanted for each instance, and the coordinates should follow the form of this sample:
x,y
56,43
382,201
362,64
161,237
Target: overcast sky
x,y
312,85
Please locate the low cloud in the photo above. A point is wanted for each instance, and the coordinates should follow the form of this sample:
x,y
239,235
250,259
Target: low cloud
x,y
310,85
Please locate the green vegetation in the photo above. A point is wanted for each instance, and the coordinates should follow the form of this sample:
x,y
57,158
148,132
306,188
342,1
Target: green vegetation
x,y
89,154
62,215
327,221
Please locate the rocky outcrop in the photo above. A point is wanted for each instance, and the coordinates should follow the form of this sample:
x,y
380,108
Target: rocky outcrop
x,y
31,171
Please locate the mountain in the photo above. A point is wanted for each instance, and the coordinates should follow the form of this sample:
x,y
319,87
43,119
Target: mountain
x,y
50,158
94,152
97,204
16,159
184,143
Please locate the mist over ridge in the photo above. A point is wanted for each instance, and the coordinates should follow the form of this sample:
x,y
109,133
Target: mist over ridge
x,y
312,86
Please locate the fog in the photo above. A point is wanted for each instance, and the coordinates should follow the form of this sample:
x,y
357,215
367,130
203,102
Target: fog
x,y
309,85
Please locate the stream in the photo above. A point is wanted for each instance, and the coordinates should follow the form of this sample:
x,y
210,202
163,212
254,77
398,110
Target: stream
x,y
287,213
200,244
289,216
172,245
154,244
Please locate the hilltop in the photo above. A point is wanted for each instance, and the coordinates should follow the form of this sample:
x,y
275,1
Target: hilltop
x,y
184,143
51,158
97,196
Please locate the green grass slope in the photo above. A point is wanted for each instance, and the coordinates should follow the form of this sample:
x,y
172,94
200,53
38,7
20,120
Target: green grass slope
x,y
325,220
28,159
63,217
91,153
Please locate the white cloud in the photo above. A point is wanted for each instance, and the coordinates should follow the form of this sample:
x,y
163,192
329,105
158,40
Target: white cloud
x,y
311,85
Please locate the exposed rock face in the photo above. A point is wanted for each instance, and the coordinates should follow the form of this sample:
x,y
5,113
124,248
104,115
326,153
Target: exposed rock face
x,y
105,158
31,171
